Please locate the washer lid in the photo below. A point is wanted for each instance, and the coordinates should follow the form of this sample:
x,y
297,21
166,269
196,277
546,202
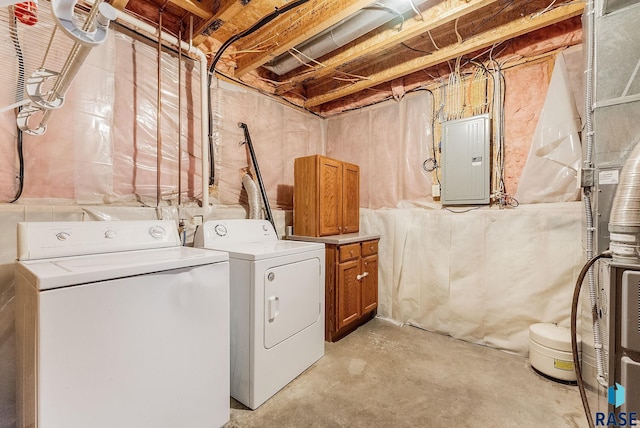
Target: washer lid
x,y
552,336
264,250
66,271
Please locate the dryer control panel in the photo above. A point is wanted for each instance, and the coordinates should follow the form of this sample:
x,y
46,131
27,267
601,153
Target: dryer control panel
x,y
235,231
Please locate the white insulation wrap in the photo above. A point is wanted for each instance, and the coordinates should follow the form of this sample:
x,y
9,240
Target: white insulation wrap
x,y
279,134
101,146
550,174
483,276
389,142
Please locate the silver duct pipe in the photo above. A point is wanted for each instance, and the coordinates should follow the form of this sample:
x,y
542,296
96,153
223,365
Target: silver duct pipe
x,y
347,30
253,196
624,223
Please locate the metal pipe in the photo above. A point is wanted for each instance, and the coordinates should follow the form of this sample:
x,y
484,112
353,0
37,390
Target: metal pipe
x,y
204,106
180,121
624,222
256,169
159,116
588,164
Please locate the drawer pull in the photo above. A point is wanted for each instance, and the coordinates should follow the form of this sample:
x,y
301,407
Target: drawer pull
x,y
351,253
359,277
371,247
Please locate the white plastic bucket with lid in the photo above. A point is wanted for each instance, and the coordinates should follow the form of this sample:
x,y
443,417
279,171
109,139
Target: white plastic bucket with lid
x,y
550,351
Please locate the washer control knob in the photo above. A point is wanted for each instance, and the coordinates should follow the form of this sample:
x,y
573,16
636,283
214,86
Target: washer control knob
x,y
220,230
264,227
62,236
157,232
110,234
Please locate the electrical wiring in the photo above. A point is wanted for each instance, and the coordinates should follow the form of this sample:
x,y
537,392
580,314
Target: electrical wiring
x,y
212,68
414,49
574,342
415,9
460,211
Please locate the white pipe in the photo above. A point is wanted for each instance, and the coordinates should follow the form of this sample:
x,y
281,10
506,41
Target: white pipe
x,y
169,39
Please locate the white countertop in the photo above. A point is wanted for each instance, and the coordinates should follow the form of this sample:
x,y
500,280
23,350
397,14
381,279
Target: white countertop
x,y
346,238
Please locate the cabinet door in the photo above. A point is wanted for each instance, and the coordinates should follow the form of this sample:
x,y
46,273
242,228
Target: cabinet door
x,y
369,283
330,204
348,293
350,198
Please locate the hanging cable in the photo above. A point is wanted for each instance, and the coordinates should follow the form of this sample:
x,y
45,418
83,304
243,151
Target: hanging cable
x,y
574,331
212,68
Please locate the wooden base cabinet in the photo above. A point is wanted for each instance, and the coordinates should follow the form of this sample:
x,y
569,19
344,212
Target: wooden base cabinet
x,y
351,287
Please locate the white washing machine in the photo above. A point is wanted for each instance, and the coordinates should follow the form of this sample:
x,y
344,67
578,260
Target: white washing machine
x,y
118,325
277,305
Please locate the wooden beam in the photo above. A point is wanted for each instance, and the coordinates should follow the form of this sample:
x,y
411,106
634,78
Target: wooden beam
x,y
227,9
193,7
499,34
438,15
296,27
119,4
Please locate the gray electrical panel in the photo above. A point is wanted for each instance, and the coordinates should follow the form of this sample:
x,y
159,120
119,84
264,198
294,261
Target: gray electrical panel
x,y
466,161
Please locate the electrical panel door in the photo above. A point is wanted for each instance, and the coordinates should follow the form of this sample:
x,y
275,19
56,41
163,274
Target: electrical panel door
x,y
466,161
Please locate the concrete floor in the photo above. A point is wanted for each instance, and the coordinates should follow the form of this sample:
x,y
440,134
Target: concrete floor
x,y
387,376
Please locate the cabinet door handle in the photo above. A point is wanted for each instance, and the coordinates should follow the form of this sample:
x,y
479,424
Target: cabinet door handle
x,y
359,277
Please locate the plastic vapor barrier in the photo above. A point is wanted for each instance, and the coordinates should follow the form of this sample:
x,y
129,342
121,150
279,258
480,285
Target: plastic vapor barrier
x,y
550,174
389,142
482,276
101,145
279,134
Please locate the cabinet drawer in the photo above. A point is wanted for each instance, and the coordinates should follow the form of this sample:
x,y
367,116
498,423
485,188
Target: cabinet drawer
x,y
369,248
348,252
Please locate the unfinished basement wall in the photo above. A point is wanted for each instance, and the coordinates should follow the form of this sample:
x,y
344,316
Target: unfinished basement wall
x,y
98,159
475,274
100,147
279,134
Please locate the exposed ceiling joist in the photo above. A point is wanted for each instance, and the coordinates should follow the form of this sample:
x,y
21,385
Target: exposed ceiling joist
x,y
480,41
431,18
298,26
227,10
193,7
119,4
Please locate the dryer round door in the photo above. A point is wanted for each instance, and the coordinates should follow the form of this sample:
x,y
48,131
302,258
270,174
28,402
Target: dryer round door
x,y
291,299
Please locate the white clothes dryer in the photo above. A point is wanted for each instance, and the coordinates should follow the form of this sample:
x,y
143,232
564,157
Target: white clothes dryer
x,y
118,325
277,305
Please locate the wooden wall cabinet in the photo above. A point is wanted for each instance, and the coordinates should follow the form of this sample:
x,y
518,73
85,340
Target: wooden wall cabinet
x,y
351,286
326,196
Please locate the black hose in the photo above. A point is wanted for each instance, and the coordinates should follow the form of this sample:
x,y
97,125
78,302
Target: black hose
x,y
21,169
255,27
19,97
574,340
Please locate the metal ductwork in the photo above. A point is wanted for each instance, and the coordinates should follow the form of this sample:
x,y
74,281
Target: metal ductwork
x,y
624,223
346,31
